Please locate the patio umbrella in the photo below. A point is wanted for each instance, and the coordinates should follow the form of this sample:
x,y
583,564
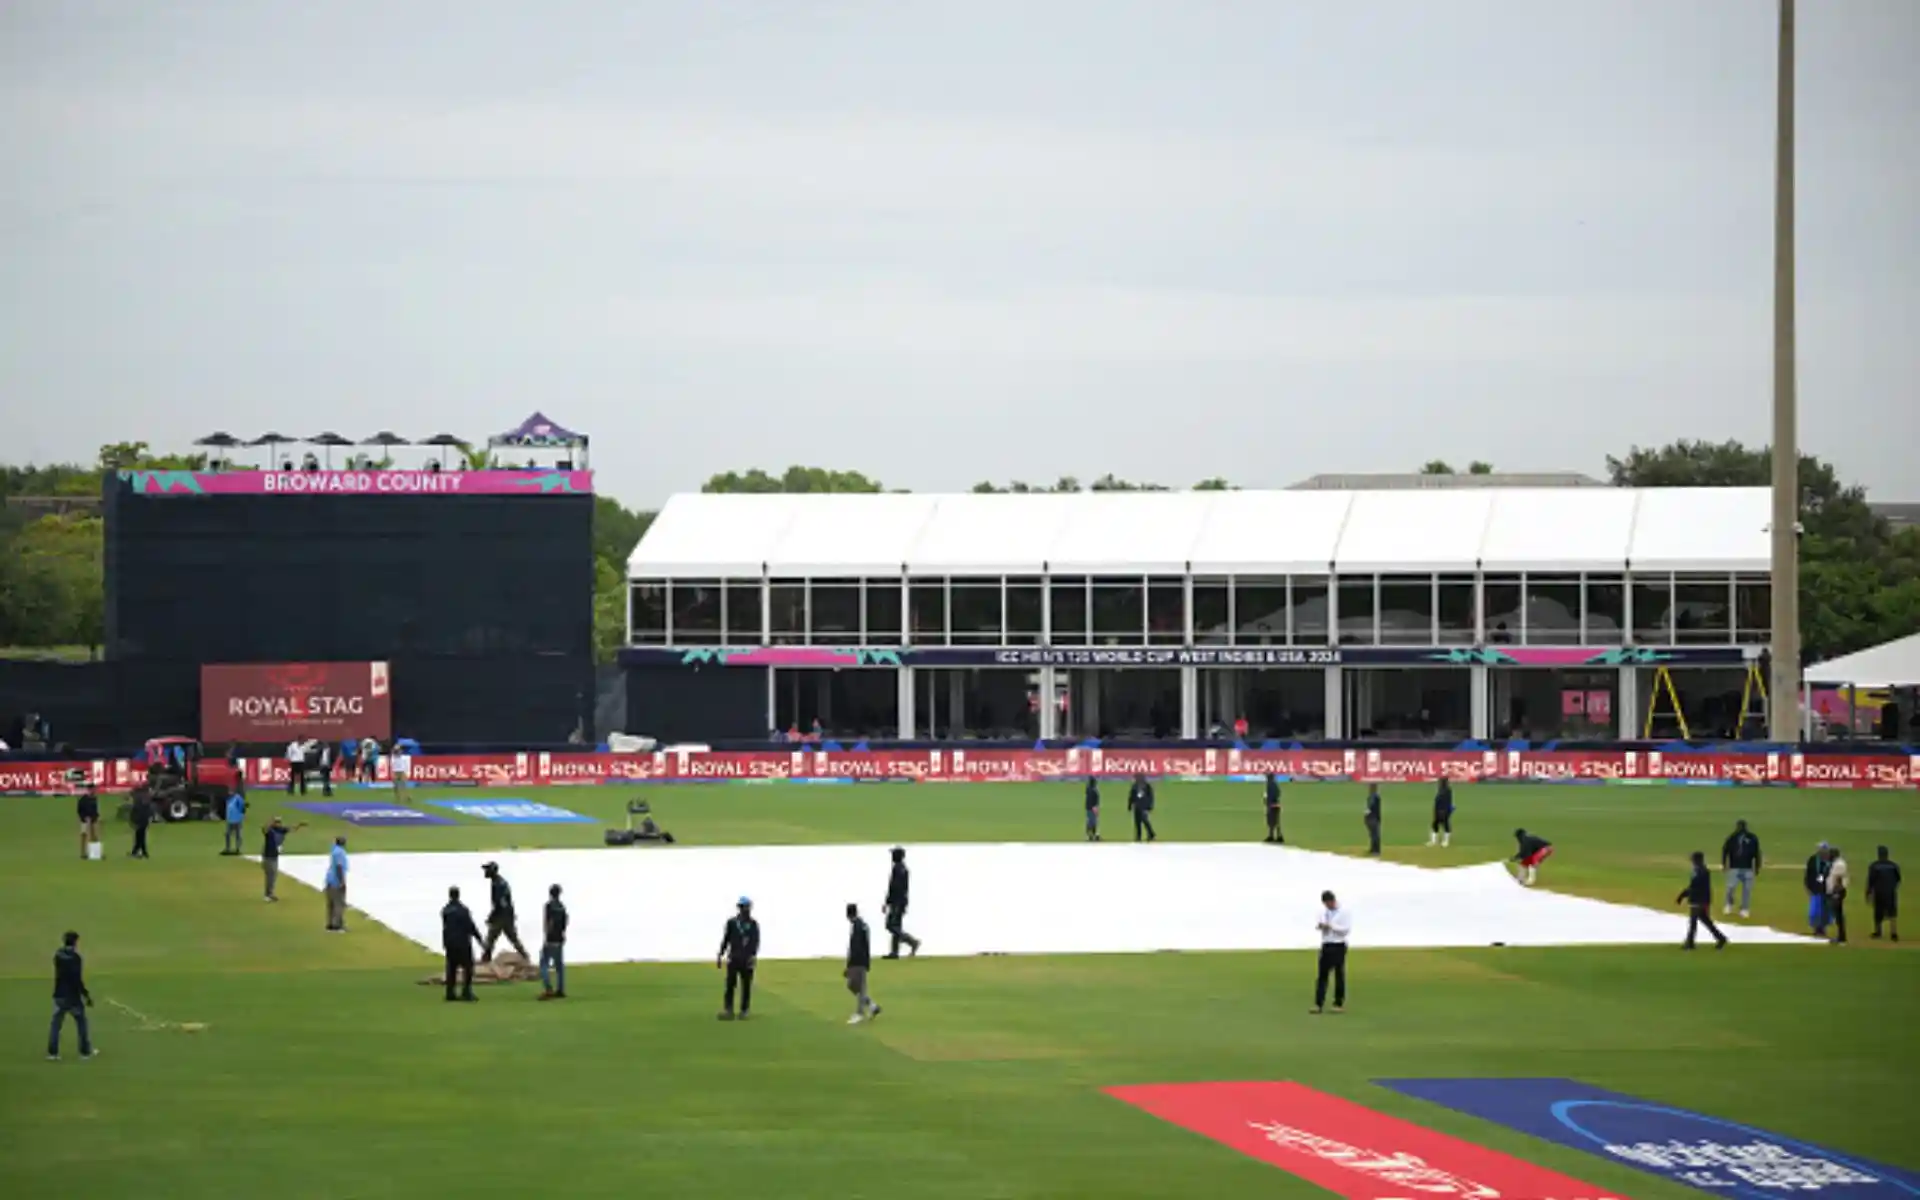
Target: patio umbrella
x,y
328,440
273,442
445,441
219,441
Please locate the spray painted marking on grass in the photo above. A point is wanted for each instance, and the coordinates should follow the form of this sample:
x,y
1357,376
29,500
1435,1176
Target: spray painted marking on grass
x,y
1349,1150
1687,1147
151,1024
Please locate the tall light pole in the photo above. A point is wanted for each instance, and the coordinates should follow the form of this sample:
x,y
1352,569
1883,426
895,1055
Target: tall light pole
x,y
1783,706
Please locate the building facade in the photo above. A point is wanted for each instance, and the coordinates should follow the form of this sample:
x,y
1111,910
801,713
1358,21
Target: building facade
x,y
1320,613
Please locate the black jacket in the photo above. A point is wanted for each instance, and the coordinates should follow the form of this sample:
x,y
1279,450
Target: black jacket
x,y
1273,793
1883,879
1443,800
1530,846
1140,798
1699,889
142,811
1093,795
69,985
88,807
556,923
1373,806
1814,878
859,946
502,898
897,888
457,931
1741,852
740,941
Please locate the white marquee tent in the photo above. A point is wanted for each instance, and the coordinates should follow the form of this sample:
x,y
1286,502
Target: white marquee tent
x,y
1892,664
1245,533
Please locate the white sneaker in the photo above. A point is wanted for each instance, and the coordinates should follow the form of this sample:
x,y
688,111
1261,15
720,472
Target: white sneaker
x,y
855,1019
1726,910
1744,914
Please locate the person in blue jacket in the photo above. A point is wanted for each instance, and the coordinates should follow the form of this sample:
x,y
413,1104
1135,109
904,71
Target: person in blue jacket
x,y
236,818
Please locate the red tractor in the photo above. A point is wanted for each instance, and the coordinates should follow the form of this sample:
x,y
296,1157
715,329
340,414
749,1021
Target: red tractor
x,y
185,781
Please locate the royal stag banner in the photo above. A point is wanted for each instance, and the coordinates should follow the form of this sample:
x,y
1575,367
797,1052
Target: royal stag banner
x,y
278,702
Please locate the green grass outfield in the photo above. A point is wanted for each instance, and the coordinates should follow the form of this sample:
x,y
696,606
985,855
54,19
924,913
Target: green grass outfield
x,y
327,1072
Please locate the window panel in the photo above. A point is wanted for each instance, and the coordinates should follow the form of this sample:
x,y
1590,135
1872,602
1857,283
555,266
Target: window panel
x,y
787,611
976,611
1653,610
1456,611
927,613
695,605
1500,598
1356,609
1211,612
1753,610
1067,604
883,611
1702,609
1606,611
1406,610
1553,610
1119,611
1166,612
1026,611
1260,612
647,610
743,612
1312,605
833,612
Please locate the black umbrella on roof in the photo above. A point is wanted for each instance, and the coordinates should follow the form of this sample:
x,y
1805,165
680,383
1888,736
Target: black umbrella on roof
x,y
443,439
273,442
386,437
219,440
328,441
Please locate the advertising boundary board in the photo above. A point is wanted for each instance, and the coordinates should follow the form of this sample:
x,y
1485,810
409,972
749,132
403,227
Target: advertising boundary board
x,y
1012,765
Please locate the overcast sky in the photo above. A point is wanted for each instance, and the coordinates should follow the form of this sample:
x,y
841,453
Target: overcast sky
x,y
946,242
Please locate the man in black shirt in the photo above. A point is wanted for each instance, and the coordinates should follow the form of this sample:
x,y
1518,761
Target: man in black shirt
x,y
276,836
70,996
553,947
500,919
859,962
1442,834
88,810
1273,809
1372,820
1698,897
1740,859
1093,809
1140,802
1533,850
141,814
458,936
896,907
1814,879
1883,888
739,951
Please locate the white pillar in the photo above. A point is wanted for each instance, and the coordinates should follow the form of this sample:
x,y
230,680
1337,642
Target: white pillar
x,y
773,704
1049,711
1479,715
903,688
1335,698
1626,708
1189,703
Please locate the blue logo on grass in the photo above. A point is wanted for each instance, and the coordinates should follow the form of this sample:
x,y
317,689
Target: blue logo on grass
x,y
513,812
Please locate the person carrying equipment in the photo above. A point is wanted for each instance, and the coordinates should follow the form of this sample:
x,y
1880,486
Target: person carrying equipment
x,y
500,917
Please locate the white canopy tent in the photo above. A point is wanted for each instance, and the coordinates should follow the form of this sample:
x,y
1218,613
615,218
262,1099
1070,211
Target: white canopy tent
x,y
1892,664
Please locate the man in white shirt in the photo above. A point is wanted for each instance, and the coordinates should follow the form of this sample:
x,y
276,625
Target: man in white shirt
x,y
1334,926
296,766
1837,881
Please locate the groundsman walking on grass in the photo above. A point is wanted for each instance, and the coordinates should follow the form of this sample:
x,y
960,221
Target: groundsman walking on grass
x,y
1883,890
1740,859
553,947
859,962
70,997
739,951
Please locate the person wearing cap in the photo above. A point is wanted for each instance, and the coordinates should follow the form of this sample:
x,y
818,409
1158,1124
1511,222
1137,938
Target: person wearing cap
x,y
553,944
896,907
1814,879
1740,858
1839,878
500,916
276,837
1533,850
458,937
739,950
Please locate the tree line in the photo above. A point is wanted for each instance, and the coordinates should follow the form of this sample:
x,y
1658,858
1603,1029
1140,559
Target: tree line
x,y
1859,581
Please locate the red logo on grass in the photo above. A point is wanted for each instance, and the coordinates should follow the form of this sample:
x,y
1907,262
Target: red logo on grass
x,y
1347,1149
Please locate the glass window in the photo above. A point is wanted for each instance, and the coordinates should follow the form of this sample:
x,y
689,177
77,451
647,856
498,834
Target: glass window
x,y
1312,608
1753,610
1067,600
1166,612
743,612
1260,612
1456,611
696,612
883,611
1026,611
787,611
1653,610
647,611
1119,611
976,611
1406,610
1553,610
1357,611
1606,611
927,613
1703,609
833,612
1501,616
1212,612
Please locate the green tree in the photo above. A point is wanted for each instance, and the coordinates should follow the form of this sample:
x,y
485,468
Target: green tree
x,y
794,480
51,589
609,610
1476,467
1216,484
1437,466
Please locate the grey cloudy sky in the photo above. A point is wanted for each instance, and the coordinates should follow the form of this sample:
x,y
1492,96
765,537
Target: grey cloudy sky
x,y
944,242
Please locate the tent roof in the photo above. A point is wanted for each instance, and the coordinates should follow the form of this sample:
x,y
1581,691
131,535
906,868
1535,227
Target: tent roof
x,y
1891,664
538,430
1266,533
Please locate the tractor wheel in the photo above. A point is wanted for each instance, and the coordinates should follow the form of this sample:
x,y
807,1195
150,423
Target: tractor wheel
x,y
177,807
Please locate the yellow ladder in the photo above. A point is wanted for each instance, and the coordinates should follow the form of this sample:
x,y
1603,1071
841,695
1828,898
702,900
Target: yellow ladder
x,y
1662,677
